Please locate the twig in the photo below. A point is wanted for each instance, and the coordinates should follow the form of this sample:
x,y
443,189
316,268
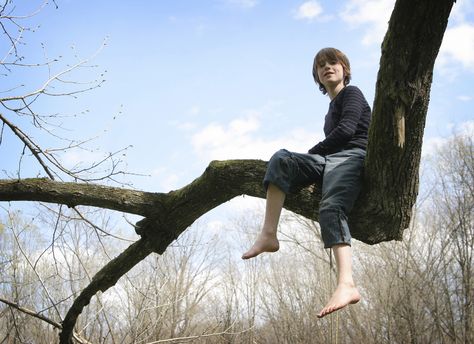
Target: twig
x,y
30,312
41,317
15,235
34,149
187,339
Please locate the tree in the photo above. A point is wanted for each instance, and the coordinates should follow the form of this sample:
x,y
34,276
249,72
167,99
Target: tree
x,y
453,214
381,213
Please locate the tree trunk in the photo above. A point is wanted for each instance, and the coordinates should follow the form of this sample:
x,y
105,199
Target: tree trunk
x,y
409,52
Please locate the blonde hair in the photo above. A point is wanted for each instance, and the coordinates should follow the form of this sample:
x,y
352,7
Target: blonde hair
x,y
331,55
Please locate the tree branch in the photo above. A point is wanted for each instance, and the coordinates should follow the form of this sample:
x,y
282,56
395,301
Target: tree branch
x,y
170,214
72,194
41,317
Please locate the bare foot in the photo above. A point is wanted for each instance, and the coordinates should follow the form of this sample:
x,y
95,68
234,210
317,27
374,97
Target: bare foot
x,y
344,295
264,243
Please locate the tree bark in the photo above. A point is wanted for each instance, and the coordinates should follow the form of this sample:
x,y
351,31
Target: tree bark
x,y
409,51
383,209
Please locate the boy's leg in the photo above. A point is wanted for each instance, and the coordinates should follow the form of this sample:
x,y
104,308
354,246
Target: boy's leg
x,y
267,239
341,186
346,292
286,172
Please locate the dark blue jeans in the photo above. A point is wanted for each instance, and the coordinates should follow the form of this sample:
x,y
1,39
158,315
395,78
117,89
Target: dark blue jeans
x,y
340,176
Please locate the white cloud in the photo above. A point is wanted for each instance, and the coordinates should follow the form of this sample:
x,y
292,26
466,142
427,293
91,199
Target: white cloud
x,y
242,126
243,3
466,128
82,158
241,139
186,126
167,180
464,98
457,49
458,43
373,14
462,10
194,110
458,46
433,144
309,10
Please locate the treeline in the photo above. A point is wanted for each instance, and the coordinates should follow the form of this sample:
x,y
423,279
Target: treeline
x,y
420,290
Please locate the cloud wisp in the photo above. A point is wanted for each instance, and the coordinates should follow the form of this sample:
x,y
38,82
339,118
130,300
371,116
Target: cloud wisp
x,y
373,14
241,139
458,46
243,3
309,10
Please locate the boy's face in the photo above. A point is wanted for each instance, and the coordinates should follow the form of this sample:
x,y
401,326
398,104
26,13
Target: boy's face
x,y
330,73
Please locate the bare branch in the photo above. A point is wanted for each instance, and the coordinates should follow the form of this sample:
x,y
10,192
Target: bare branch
x,y
32,313
14,20
40,279
41,317
204,335
34,148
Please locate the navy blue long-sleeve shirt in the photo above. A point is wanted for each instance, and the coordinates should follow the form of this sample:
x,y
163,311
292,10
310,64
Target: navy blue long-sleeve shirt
x,y
346,124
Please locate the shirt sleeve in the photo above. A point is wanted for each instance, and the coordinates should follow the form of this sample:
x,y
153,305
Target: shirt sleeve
x,y
352,108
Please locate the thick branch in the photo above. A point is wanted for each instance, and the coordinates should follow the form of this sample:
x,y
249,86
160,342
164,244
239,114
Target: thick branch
x,y
168,215
174,211
220,182
72,194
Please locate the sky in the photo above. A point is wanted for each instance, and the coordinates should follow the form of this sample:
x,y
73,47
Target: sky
x,y
187,82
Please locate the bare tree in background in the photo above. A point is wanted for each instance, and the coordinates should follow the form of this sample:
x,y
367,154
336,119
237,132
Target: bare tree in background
x,y
37,279
453,211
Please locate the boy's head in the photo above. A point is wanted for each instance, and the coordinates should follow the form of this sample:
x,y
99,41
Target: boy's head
x,y
331,55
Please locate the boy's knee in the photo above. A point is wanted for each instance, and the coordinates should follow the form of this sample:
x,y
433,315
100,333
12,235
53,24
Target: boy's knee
x,y
281,154
280,162
278,171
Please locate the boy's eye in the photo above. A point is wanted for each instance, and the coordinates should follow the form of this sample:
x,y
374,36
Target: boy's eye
x,y
332,63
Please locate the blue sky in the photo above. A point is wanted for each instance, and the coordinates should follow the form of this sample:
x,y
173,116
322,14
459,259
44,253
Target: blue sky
x,y
192,81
